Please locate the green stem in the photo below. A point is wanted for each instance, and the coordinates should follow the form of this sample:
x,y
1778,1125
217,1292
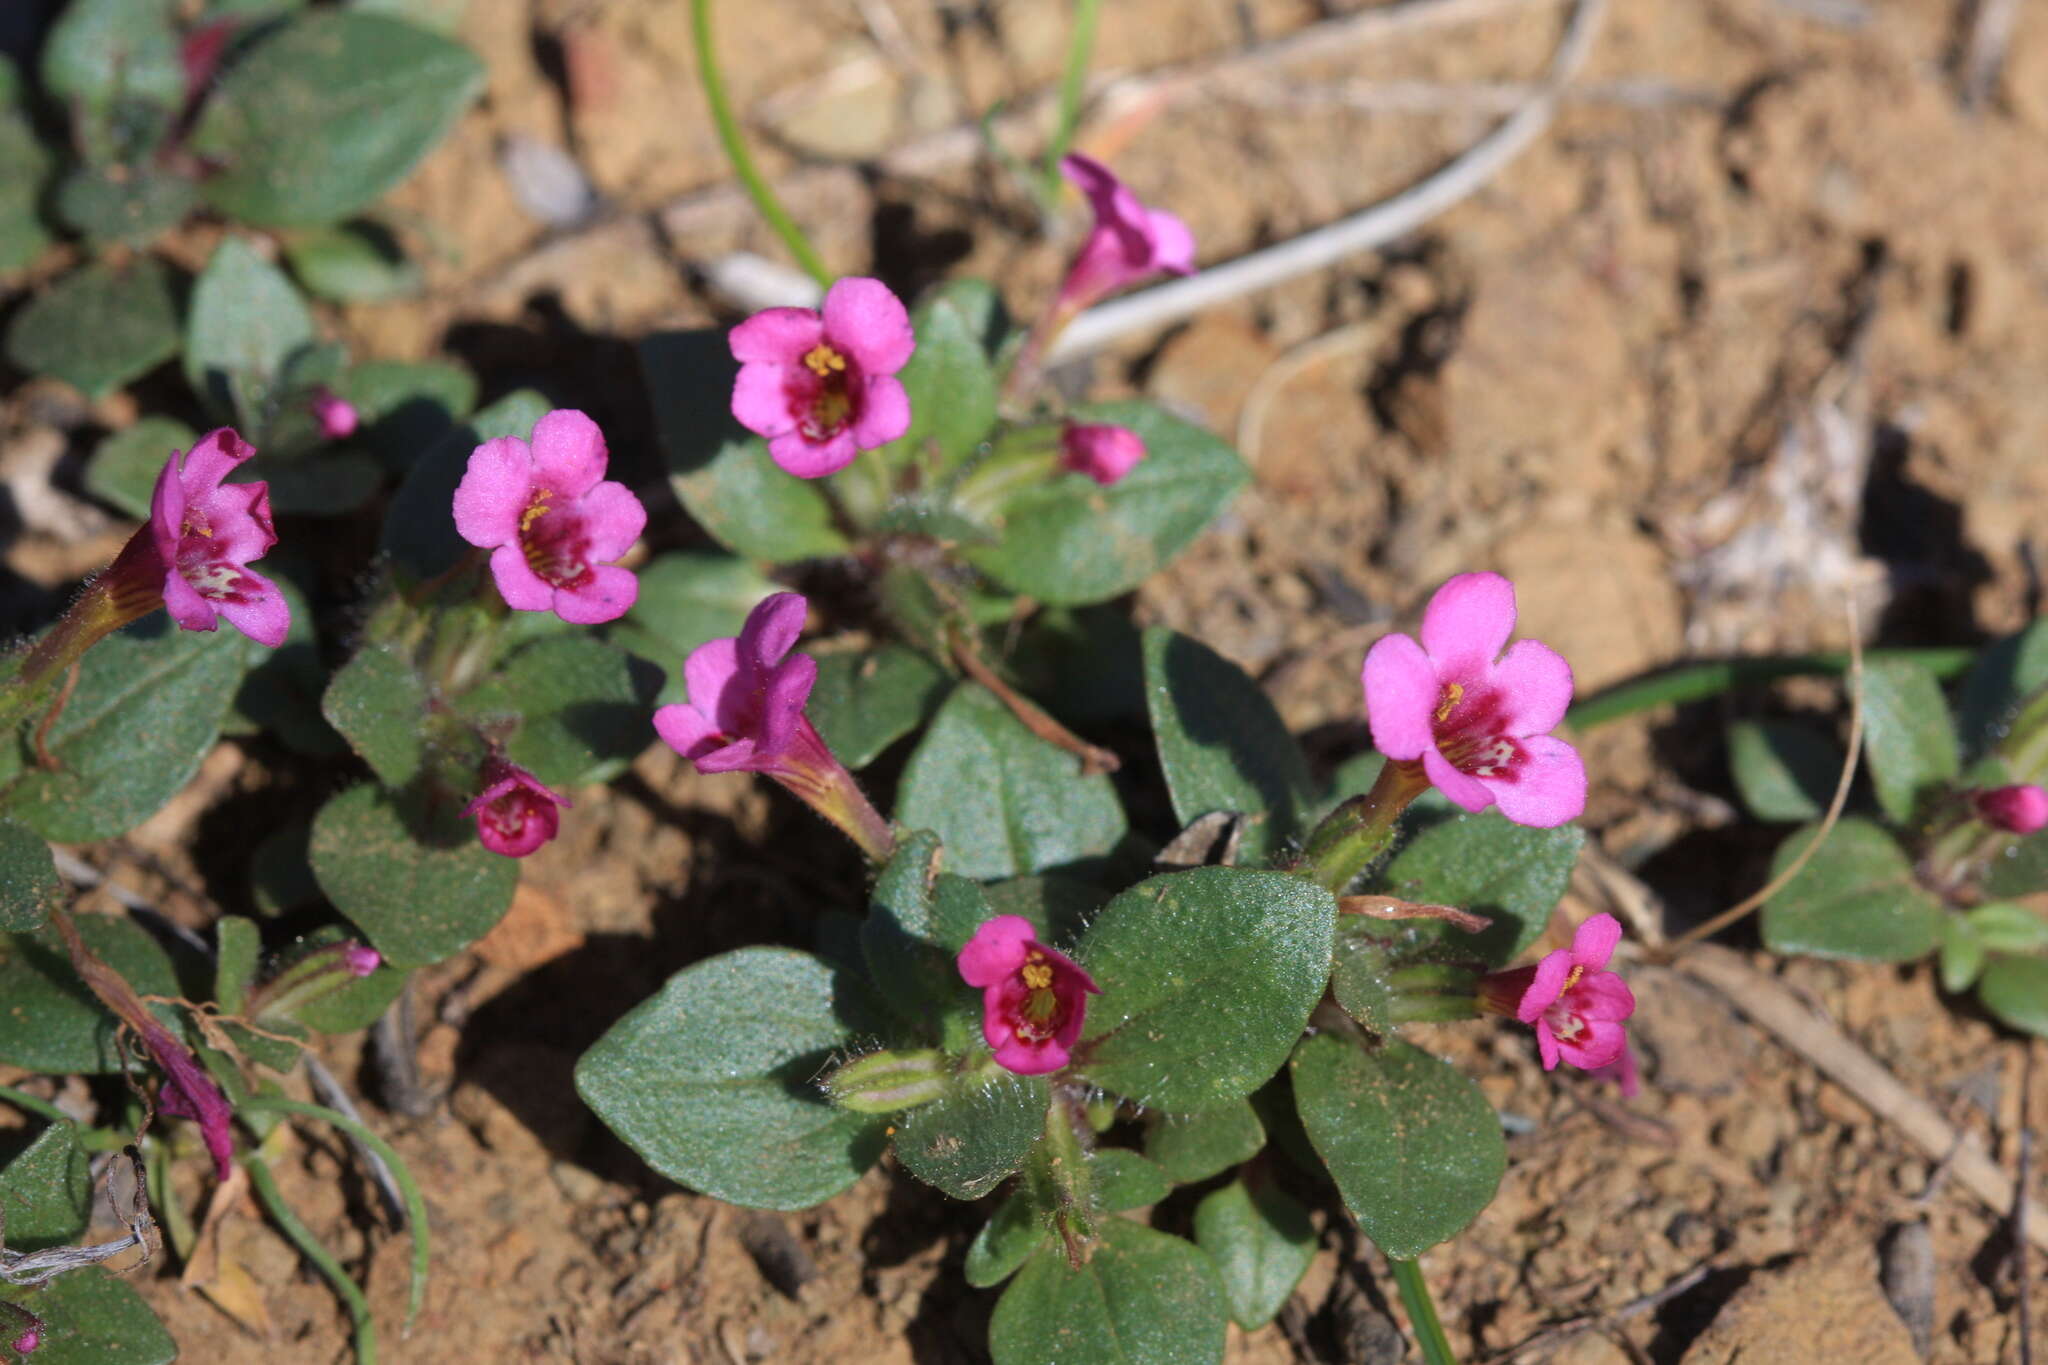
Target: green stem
x,y
1079,48
301,1236
736,149
1422,1319
1354,836
415,1206
1696,682
21,1099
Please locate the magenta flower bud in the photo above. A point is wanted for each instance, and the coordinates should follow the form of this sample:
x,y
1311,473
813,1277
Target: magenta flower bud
x,y
2019,809
1128,243
1103,452
820,385
746,714
515,813
27,1342
1479,721
335,414
1033,999
360,959
1575,1004
206,531
551,520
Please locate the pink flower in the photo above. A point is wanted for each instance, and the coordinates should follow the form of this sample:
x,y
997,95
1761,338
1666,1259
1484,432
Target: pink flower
x,y
745,713
1128,242
821,386
551,520
1622,1071
189,1093
1103,452
1572,1001
515,814
206,532
335,414
1033,999
28,1341
1478,720
361,960
2021,809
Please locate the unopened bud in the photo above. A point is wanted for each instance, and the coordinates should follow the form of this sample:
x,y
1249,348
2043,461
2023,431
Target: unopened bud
x,y
28,1341
313,977
884,1082
2018,809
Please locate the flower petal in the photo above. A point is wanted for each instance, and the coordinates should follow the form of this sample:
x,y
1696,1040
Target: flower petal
x,y
996,951
1467,793
1468,620
212,459
812,459
772,628
1546,788
685,729
185,604
238,514
1535,686
612,518
782,703
1401,695
776,336
708,674
1547,1045
606,594
494,492
517,583
1173,245
569,453
760,400
1600,1042
1025,1060
1602,995
265,616
1546,986
1594,942
884,413
867,322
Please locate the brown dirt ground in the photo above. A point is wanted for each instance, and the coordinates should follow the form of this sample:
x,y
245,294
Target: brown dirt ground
x,y
1755,321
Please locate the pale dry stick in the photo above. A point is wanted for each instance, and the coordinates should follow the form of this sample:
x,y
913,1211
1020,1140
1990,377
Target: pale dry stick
x,y
1990,34
708,209
1827,822
1391,218
1466,97
1772,1006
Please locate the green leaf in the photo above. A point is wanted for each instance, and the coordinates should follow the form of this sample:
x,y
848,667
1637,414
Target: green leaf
x,y
918,920
445,16
2016,990
1907,734
1004,801
415,880
280,695
353,1005
970,1141
91,1318
1415,1148
331,483
47,1190
238,948
579,713
24,169
721,473
1359,978
951,385
2007,927
712,1081
865,701
1142,1298
2005,674
1123,1180
1783,770
1221,743
246,322
403,408
29,885
1962,954
687,599
51,1023
326,113
114,64
2018,869
1207,978
148,705
135,206
99,327
1261,1242
126,465
1069,540
378,701
357,262
1206,1142
1857,898
1510,873
1006,1241
419,532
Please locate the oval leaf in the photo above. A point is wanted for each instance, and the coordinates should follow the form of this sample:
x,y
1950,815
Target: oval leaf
x,y
712,1082
1783,770
1261,1241
2016,990
1907,734
1142,1298
99,327
1415,1148
1195,1146
29,885
1857,898
378,701
51,1023
1510,873
1207,978
968,1142
419,885
91,1318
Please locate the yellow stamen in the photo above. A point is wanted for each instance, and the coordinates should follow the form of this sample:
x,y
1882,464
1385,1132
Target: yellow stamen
x,y
535,510
1038,976
1453,694
824,361
1578,970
